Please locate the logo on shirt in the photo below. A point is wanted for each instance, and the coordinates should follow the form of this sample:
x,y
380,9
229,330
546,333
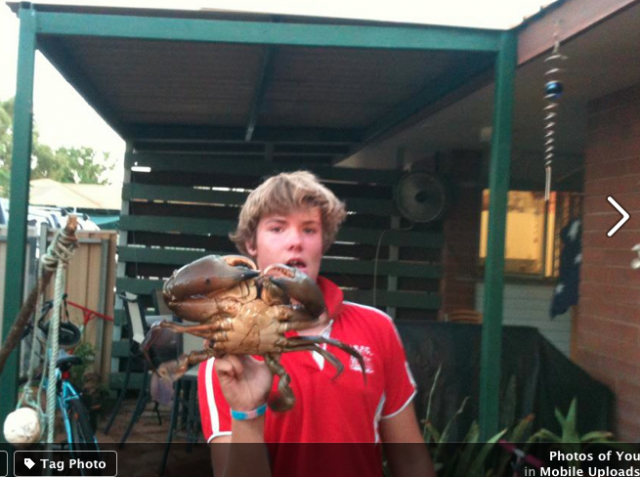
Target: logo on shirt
x,y
367,355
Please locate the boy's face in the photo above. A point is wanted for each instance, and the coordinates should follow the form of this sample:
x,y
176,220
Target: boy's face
x,y
294,239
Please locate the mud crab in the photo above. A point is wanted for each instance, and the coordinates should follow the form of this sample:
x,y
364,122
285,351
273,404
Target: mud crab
x,y
242,310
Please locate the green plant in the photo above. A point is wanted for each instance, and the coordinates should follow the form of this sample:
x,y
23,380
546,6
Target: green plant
x,y
94,393
87,352
570,440
471,458
468,458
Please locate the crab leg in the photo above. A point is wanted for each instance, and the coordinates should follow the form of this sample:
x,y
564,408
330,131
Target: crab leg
x,y
284,399
203,331
297,341
296,317
335,362
175,369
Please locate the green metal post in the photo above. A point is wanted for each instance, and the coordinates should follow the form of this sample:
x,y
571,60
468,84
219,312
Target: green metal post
x,y
494,269
19,201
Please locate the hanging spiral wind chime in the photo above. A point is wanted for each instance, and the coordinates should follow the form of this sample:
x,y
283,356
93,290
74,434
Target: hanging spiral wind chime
x,y
553,90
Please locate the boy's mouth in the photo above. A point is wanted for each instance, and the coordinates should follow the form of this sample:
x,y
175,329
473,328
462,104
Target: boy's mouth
x,y
296,263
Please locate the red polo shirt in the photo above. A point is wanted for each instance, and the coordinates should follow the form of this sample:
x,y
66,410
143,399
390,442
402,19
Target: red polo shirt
x,y
328,410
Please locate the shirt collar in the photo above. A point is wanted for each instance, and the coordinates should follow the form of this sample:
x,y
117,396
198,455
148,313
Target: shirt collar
x,y
333,296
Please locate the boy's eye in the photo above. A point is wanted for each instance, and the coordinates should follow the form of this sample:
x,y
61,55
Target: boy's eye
x,y
276,229
310,231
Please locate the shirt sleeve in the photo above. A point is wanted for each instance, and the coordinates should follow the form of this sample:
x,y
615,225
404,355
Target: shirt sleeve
x,y
215,414
400,387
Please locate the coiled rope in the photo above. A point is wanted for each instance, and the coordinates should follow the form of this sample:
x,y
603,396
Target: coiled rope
x,y
56,259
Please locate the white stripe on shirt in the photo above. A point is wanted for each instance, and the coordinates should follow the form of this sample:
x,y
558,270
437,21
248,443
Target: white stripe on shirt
x,y
211,400
376,418
402,407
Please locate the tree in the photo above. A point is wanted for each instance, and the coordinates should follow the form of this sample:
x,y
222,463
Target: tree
x,y
66,164
70,164
6,142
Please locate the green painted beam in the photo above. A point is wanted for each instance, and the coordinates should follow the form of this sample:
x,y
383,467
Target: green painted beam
x,y
146,223
379,207
19,205
139,286
329,265
265,33
133,191
211,133
120,349
404,299
262,82
212,149
205,165
119,317
434,91
237,150
491,349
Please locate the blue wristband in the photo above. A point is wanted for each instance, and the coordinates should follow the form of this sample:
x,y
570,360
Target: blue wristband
x,y
245,416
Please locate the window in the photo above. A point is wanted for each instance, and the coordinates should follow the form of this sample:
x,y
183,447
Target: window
x,y
533,227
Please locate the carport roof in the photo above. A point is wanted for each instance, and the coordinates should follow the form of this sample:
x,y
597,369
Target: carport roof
x,y
234,83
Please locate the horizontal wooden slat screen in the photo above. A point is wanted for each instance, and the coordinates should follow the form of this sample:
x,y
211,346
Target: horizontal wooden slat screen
x,y
329,265
184,207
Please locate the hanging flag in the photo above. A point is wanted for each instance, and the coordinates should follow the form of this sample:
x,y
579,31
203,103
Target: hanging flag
x,y
566,292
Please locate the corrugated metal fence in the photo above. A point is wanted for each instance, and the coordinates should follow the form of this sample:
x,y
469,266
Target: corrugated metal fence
x,y
90,283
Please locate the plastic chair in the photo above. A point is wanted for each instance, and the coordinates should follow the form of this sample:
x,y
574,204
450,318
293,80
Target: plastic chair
x,y
159,304
138,328
185,403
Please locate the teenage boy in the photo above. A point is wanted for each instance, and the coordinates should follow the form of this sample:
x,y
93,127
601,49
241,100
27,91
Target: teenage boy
x,y
293,219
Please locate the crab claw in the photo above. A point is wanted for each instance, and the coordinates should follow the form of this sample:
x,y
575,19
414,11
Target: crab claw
x,y
173,370
161,389
206,275
158,345
298,286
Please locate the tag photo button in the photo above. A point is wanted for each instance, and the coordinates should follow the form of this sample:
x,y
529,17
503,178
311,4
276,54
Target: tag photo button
x,y
67,463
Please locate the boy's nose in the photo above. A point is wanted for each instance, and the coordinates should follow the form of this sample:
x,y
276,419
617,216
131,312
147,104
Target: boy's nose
x,y
294,239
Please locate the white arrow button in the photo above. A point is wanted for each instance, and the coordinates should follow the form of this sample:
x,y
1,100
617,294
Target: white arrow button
x,y
622,221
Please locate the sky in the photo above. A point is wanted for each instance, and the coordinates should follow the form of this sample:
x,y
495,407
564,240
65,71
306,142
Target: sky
x,y
63,118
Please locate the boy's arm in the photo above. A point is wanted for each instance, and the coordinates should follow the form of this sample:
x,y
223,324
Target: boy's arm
x,y
245,384
243,453
404,446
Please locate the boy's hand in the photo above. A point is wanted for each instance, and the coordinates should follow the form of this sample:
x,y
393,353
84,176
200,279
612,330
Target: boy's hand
x,y
245,381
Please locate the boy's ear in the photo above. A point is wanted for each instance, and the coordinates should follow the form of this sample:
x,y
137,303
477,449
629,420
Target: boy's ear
x,y
251,248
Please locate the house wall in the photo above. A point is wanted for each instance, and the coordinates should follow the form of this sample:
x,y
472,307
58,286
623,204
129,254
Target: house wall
x,y
461,231
606,341
527,304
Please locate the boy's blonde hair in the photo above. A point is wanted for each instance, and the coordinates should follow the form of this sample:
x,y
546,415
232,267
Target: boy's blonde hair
x,y
284,194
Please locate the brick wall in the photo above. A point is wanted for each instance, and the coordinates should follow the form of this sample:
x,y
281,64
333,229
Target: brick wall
x,y
606,339
461,231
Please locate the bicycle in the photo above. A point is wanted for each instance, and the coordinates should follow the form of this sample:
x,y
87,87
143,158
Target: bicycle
x,y
79,432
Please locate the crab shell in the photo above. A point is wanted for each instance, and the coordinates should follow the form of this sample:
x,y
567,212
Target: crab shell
x,y
240,310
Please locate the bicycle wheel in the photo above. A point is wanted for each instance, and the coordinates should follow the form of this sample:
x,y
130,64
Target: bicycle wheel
x,y
81,430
